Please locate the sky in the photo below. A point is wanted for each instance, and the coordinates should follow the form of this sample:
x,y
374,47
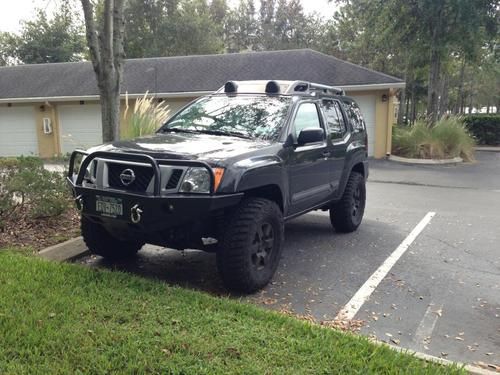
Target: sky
x,y
13,11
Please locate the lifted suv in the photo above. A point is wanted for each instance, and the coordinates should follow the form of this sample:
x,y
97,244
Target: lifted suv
x,y
224,174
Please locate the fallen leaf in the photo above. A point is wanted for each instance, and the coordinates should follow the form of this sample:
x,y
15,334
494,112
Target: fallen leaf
x,y
395,341
459,338
388,334
443,354
269,301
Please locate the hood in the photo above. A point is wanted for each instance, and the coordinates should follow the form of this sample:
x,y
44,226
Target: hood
x,y
186,146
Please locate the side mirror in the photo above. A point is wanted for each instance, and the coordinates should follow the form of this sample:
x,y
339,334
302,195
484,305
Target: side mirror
x,y
310,135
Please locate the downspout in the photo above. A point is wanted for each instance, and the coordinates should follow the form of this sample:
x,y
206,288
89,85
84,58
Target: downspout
x,y
390,111
55,129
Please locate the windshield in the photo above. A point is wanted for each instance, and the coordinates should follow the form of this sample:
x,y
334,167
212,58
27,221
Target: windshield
x,y
259,117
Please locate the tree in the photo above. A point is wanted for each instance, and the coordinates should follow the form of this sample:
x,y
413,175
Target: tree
x,y
5,49
171,27
241,27
104,32
406,36
47,40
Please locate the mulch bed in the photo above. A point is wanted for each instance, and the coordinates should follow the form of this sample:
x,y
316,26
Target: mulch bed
x,y
20,230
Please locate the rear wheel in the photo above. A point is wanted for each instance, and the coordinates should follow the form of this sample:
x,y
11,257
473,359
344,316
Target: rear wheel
x,y
100,242
347,214
251,246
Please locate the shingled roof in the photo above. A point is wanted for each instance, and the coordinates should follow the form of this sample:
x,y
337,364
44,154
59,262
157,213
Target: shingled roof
x,y
187,74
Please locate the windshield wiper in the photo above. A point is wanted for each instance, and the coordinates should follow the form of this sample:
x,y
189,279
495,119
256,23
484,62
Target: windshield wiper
x,y
178,130
222,132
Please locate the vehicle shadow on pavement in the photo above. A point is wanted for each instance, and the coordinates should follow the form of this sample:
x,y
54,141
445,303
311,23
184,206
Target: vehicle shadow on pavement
x,y
310,243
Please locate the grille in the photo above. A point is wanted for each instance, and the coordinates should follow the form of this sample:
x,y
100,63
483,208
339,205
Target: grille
x,y
143,176
174,179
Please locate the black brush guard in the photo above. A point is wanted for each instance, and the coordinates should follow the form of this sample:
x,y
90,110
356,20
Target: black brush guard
x,y
145,211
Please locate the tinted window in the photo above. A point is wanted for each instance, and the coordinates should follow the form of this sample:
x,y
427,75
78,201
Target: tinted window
x,y
306,117
354,114
335,120
251,116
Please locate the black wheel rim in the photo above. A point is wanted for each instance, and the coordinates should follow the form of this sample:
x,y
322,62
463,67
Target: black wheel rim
x,y
262,246
357,203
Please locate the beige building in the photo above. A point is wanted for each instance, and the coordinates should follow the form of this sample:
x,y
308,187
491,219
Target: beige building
x,y
51,109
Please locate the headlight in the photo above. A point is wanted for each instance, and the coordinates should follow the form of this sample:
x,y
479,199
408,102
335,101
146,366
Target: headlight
x,y
196,180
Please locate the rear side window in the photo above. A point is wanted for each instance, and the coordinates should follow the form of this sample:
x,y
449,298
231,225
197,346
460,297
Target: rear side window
x,y
334,119
354,113
306,117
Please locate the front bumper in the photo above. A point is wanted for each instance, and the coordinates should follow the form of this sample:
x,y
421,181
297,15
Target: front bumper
x,y
144,211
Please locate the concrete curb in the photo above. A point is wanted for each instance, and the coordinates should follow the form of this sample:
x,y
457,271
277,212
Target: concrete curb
x,y
475,370
399,159
65,251
488,148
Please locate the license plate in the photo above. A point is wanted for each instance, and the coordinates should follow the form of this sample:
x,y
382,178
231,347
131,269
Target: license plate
x,y
108,206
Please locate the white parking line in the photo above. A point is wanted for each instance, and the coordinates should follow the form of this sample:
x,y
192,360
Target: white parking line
x,y
352,307
423,334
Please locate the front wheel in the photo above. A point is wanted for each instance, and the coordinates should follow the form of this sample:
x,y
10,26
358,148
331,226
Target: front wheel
x,y
346,215
251,246
100,242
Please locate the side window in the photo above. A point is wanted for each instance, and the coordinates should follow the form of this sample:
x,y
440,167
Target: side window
x,y
354,114
334,119
306,117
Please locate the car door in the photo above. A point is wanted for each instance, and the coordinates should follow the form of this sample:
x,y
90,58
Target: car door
x,y
308,167
338,135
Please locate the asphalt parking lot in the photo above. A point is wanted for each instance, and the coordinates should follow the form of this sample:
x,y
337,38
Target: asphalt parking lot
x,y
441,297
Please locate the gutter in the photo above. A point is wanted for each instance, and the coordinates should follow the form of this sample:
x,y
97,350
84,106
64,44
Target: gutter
x,y
43,99
185,94
375,86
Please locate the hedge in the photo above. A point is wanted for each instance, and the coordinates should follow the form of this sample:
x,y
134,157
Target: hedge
x,y
485,128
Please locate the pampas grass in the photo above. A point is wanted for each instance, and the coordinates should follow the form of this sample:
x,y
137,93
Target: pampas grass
x,y
146,117
448,138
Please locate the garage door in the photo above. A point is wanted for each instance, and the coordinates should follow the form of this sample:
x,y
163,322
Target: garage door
x,y
80,126
367,105
18,131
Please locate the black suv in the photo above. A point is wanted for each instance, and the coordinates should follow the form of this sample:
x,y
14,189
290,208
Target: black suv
x,y
224,174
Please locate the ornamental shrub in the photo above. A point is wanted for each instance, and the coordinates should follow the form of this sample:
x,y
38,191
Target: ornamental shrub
x,y
485,128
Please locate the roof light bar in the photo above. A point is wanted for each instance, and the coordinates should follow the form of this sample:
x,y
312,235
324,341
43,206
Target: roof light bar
x,y
272,87
230,87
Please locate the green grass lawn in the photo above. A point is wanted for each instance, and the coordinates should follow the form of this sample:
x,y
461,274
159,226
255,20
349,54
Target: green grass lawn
x,y
61,319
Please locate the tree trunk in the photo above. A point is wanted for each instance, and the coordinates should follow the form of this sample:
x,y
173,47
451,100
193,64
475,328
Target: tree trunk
x,y
401,108
407,110
436,52
402,100
106,52
433,86
461,96
413,109
443,102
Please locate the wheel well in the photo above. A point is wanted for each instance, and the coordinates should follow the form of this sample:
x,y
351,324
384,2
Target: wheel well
x,y
359,168
271,192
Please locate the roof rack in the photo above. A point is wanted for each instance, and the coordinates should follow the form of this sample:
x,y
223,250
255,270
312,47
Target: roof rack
x,y
313,88
280,87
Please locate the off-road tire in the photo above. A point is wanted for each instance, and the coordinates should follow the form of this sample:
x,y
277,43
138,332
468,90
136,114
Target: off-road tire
x,y
100,242
346,215
250,248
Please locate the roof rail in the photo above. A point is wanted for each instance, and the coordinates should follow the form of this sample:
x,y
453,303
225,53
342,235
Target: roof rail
x,y
310,87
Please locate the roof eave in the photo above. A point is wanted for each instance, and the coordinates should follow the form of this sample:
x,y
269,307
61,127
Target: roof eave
x,y
187,94
160,95
374,86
